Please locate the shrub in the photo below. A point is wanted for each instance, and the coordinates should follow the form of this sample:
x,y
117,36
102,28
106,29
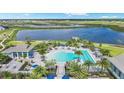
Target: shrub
x,y
4,59
23,66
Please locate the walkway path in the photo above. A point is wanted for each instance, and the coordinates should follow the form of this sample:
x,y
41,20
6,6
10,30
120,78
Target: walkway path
x,y
1,43
60,71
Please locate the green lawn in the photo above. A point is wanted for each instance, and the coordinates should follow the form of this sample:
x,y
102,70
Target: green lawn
x,y
114,50
22,42
32,42
3,32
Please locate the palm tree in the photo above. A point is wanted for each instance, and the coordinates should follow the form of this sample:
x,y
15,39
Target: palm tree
x,y
54,44
73,43
6,75
42,48
76,45
81,75
76,42
79,53
76,70
85,43
100,44
104,64
105,52
21,75
42,51
39,72
69,43
28,40
88,63
50,64
91,45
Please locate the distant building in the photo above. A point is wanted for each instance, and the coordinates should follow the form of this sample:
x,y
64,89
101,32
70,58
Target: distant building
x,y
2,28
117,66
20,51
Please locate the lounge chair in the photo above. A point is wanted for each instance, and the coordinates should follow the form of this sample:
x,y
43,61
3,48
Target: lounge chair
x,y
68,48
7,66
14,67
56,48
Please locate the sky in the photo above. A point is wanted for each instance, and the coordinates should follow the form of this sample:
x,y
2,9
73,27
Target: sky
x,y
61,15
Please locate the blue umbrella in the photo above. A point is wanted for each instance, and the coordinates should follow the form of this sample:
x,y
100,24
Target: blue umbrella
x,y
65,77
50,76
35,65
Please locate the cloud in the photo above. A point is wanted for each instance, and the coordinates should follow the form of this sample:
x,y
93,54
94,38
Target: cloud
x,y
76,14
109,16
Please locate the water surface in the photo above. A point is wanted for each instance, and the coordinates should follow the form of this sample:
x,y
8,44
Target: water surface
x,y
62,57
97,34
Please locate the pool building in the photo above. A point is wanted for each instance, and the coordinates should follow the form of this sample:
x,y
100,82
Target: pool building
x,y
20,51
117,66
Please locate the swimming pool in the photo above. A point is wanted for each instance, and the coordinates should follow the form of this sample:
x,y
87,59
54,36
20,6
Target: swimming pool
x,y
62,56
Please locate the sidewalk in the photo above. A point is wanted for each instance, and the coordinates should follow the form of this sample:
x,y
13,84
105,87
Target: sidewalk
x,y
60,71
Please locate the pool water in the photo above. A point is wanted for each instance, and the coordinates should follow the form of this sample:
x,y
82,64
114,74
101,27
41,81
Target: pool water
x,y
62,57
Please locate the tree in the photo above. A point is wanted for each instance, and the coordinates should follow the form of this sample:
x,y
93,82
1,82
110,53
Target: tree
x,y
42,48
50,63
39,72
51,66
79,53
85,43
54,44
42,51
105,52
69,43
22,75
100,45
91,45
76,70
6,75
104,64
88,63
4,59
73,43
28,40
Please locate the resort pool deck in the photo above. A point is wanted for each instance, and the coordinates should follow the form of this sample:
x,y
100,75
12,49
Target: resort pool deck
x,y
63,56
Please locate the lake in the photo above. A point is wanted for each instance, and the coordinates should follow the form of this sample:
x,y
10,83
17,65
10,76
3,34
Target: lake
x,y
96,34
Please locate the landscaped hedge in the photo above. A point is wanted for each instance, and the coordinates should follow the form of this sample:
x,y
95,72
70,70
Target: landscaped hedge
x,y
4,59
23,66
9,75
